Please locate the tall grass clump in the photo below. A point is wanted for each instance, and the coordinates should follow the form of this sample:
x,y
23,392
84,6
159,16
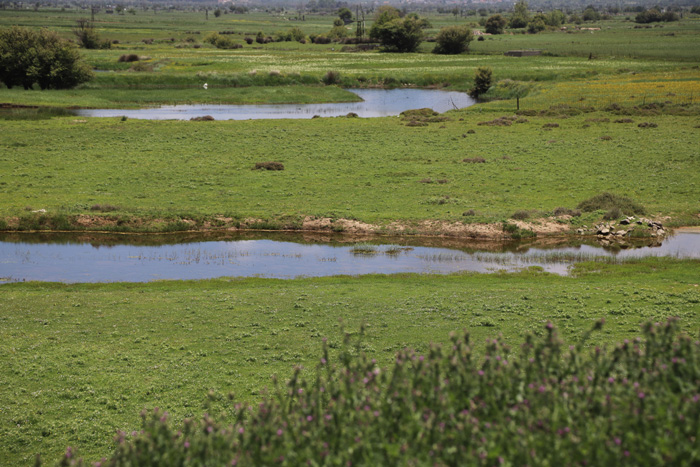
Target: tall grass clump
x,y
611,202
637,403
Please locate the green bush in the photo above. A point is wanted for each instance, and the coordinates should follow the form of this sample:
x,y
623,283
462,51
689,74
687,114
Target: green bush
x,y
28,57
636,403
482,81
221,42
453,40
496,24
87,37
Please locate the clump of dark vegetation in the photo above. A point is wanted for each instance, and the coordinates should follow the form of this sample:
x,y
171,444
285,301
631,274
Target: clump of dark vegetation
x,y
611,202
205,118
561,211
520,215
550,125
555,403
598,120
516,233
129,58
606,138
613,214
474,160
423,116
440,181
103,207
624,120
647,125
469,213
331,77
269,166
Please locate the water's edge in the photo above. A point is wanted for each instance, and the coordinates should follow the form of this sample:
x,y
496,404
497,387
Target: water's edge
x,y
116,258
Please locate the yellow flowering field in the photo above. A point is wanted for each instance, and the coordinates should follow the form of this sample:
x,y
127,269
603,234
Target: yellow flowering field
x,y
679,87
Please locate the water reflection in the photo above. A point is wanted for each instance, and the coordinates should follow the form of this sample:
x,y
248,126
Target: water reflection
x,y
376,103
141,258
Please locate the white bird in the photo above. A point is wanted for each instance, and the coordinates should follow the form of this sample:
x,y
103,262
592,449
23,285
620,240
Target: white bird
x,y
205,86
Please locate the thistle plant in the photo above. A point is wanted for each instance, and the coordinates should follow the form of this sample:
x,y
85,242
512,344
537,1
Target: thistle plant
x,y
637,403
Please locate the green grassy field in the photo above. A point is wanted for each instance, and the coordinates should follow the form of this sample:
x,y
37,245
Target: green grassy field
x,y
355,168
80,361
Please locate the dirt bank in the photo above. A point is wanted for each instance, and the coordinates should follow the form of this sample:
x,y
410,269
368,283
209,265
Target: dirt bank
x,y
131,224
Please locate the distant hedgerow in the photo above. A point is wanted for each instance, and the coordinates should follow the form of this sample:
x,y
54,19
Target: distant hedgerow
x,y
636,403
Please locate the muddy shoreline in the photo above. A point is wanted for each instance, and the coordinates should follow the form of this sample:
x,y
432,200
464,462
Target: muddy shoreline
x,y
546,228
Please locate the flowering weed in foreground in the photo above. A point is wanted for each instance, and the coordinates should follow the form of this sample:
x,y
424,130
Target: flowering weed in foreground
x,y
549,404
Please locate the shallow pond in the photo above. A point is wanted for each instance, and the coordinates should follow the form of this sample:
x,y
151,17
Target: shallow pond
x,y
376,103
114,258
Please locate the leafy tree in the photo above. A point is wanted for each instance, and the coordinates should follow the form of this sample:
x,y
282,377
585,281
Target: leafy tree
x,y
453,40
590,14
297,34
217,12
337,32
520,16
495,24
384,15
536,25
482,81
28,57
399,35
555,18
345,15
653,15
87,36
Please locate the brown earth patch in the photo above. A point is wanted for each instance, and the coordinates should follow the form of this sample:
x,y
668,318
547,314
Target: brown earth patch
x,y
94,221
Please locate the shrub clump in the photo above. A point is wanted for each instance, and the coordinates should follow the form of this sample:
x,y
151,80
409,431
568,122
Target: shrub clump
x,y
647,125
546,404
520,215
560,211
609,201
269,166
128,58
424,115
474,160
331,77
